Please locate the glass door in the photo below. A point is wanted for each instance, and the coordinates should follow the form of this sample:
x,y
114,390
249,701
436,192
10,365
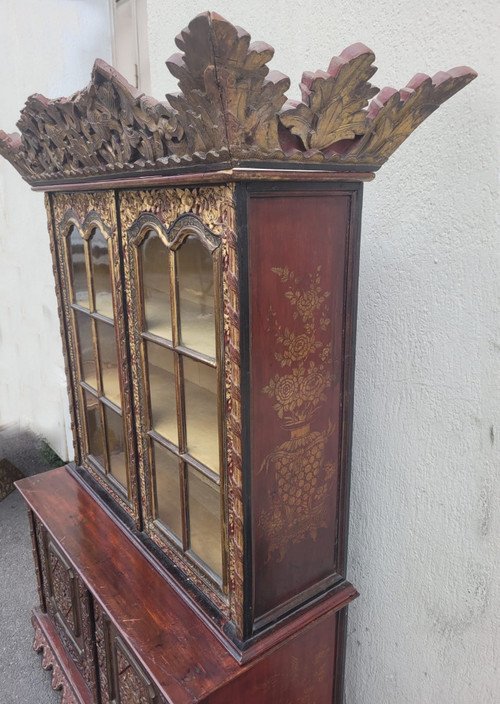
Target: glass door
x,y
91,307
180,340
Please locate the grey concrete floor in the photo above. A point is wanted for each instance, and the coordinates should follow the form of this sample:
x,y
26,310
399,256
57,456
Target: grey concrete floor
x,y
22,678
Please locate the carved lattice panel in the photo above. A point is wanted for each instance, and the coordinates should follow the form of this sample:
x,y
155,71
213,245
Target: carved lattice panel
x,y
122,679
68,606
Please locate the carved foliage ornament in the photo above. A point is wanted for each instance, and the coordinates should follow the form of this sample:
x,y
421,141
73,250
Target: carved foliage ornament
x,y
231,110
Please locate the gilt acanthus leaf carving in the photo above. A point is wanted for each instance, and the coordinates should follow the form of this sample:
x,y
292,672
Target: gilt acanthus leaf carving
x,y
107,127
333,102
230,111
394,115
228,94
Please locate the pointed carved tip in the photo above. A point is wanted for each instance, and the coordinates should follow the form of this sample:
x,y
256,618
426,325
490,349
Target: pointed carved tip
x,y
355,50
278,77
460,73
215,17
40,99
353,54
100,65
417,81
104,71
380,100
414,84
10,142
308,79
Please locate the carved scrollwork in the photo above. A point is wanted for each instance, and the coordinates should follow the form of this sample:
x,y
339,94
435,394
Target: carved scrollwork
x,y
106,127
50,661
191,224
394,115
226,86
230,110
63,592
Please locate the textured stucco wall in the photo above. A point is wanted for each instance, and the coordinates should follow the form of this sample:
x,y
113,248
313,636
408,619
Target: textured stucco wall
x,y
425,520
45,47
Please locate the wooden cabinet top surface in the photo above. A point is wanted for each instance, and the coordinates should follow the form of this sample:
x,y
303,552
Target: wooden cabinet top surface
x,y
140,598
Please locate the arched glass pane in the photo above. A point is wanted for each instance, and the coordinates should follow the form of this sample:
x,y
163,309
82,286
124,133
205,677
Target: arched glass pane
x,y
162,391
168,496
202,429
196,296
101,275
156,285
204,520
78,268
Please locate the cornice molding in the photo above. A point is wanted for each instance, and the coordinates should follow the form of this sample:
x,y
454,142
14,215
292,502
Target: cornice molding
x,y
231,111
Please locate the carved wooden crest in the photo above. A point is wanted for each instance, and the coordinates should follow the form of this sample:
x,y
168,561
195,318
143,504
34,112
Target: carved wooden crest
x,y
231,111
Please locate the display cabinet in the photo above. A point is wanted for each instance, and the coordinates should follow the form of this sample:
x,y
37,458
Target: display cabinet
x,y
206,254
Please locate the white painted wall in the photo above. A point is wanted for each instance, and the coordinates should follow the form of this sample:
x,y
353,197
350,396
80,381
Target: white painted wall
x,y
46,47
425,519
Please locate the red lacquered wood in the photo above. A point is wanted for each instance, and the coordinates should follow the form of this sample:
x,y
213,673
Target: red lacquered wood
x,y
298,243
181,656
222,176
164,633
301,671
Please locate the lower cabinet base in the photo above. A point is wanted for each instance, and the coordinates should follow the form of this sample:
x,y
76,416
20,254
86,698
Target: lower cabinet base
x,y
301,671
65,676
115,631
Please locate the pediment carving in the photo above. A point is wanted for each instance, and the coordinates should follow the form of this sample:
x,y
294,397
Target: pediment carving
x,y
231,111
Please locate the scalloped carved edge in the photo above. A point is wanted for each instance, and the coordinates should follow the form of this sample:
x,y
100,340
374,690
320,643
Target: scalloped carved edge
x,y
50,661
231,110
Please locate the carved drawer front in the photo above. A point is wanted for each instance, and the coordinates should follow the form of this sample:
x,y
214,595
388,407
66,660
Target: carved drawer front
x,y
122,679
68,604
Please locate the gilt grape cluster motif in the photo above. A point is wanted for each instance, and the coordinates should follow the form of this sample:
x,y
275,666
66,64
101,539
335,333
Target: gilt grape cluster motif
x,y
299,466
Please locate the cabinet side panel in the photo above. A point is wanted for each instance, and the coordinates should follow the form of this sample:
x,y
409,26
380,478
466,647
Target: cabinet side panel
x,y
301,671
298,244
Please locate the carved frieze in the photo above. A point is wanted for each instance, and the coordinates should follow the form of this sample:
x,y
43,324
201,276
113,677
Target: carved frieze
x,y
231,110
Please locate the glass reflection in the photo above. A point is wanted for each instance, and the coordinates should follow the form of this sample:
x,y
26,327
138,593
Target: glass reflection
x,y
204,520
196,296
94,428
101,276
162,391
168,497
116,445
202,428
76,256
156,286
109,365
83,325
